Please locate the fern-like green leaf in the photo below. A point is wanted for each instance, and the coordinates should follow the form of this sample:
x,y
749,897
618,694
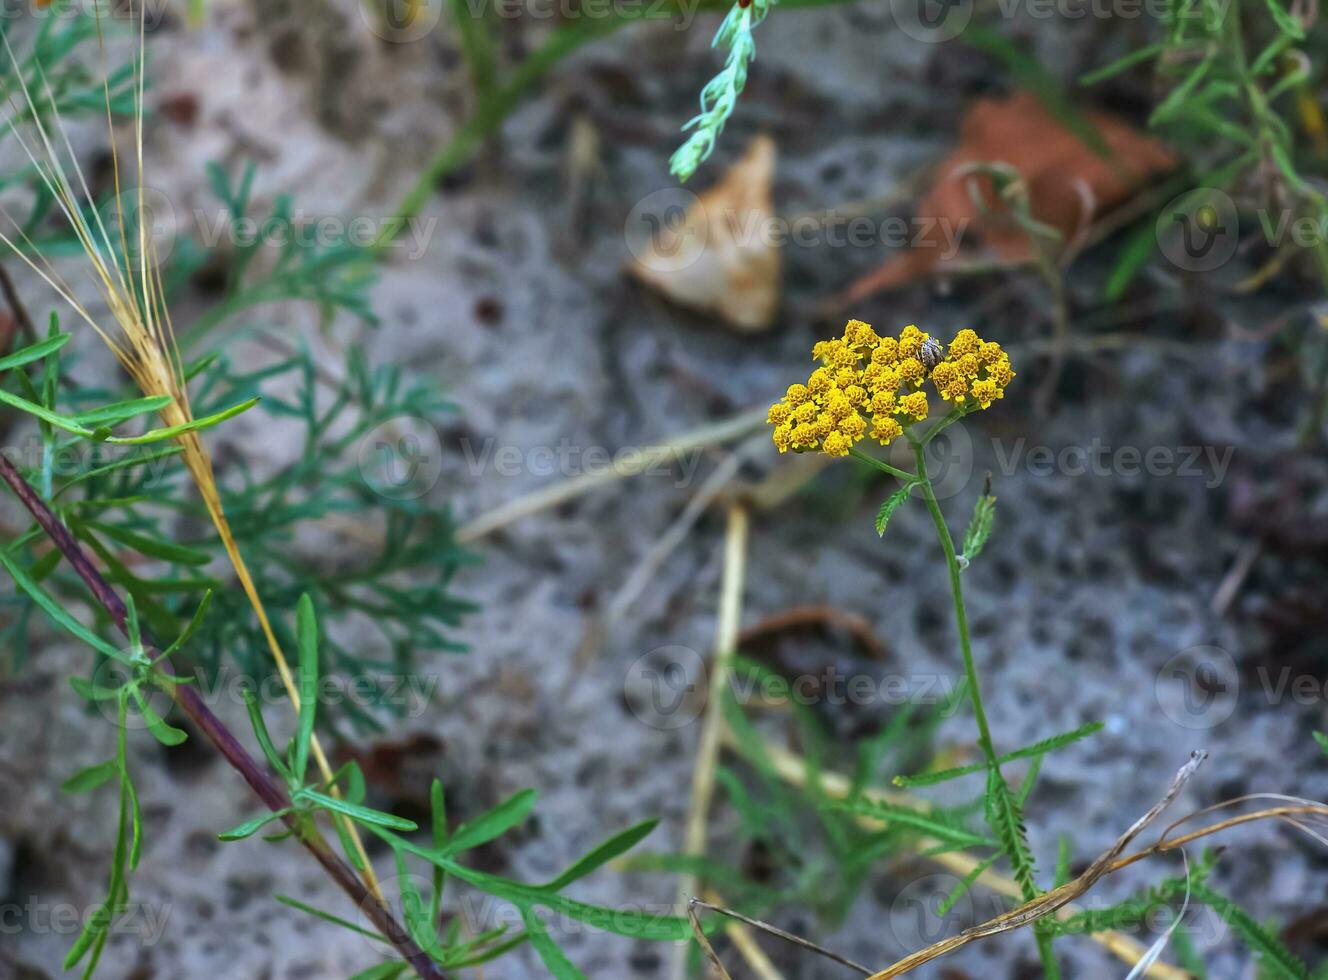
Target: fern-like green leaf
x,y
1274,958
1006,817
1035,750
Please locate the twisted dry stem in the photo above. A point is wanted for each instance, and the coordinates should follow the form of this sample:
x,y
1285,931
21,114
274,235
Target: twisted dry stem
x,y
1050,902
207,722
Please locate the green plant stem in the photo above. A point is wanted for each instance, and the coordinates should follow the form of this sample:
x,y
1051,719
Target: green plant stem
x,y
1050,967
883,467
954,415
961,614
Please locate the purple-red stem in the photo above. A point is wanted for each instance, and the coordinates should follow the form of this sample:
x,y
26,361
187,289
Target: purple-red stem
x,y
207,722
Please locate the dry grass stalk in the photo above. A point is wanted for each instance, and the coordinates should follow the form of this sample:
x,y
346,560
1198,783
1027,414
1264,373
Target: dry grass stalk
x,y
793,770
712,724
1053,901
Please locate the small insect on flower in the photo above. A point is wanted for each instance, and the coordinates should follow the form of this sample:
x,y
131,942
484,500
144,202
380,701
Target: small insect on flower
x,y
862,372
930,354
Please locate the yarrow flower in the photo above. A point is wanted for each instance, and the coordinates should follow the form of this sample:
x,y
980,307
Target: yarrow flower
x,y
882,378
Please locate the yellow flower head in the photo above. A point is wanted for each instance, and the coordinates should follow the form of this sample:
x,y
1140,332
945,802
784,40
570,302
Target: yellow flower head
x,y
965,342
885,428
859,334
911,370
820,382
853,427
986,392
974,371
914,405
911,340
864,372
836,444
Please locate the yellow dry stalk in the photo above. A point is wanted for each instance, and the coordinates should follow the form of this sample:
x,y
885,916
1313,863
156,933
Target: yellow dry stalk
x,y
146,345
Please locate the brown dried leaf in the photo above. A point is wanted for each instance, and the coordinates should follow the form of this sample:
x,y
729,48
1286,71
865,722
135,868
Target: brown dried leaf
x,y
1069,183
716,258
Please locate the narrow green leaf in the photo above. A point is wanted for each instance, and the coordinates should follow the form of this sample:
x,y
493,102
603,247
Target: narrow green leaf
x,y
1322,739
438,833
46,415
1132,257
192,371
119,411
622,922
153,547
603,853
34,352
197,425
57,612
306,631
261,733
135,817
86,780
1287,24
438,814
963,886
1121,64
328,917
560,967
1028,751
252,826
383,971
1284,163
1178,96
348,845
934,825
121,464
414,911
464,957
93,692
194,623
492,823
356,812
163,732
96,927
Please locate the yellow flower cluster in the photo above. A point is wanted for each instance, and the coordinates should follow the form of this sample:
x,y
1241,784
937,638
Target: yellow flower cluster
x,y
973,369
862,373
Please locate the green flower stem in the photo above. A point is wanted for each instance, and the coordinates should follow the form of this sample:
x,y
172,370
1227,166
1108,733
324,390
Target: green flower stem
x,y
883,467
955,415
957,590
1044,939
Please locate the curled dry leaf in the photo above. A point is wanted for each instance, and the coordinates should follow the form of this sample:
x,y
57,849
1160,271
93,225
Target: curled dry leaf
x,y
716,257
1069,182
